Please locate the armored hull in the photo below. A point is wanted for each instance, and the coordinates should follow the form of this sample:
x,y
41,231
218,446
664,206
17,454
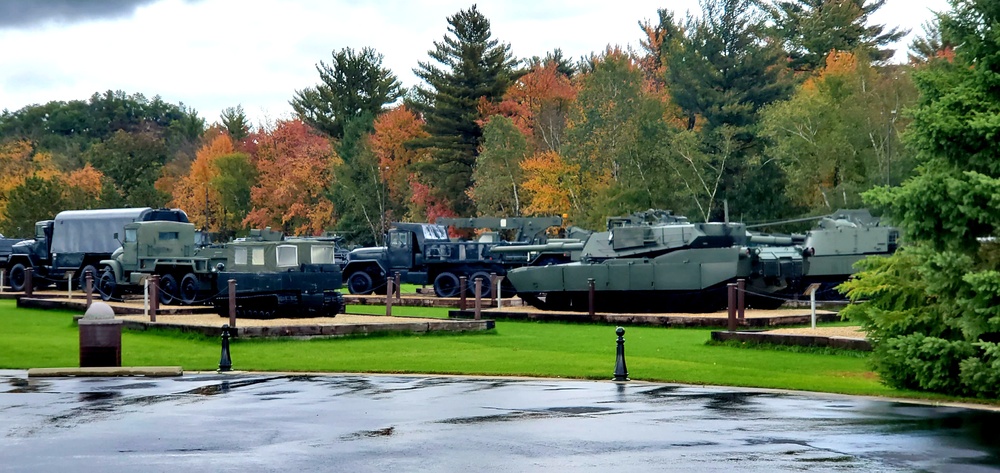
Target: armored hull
x,y
670,265
292,294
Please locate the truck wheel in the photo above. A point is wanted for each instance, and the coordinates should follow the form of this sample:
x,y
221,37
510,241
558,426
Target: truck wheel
x,y
189,288
83,276
107,285
485,290
17,277
446,285
168,289
359,283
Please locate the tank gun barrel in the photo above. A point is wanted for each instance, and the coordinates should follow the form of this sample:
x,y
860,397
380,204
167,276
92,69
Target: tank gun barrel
x,y
551,246
779,240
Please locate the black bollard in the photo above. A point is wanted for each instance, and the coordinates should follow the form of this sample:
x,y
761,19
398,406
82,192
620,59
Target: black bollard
x,y
225,362
621,371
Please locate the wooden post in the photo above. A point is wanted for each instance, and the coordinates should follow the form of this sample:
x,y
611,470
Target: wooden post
x,y
388,297
493,293
29,285
154,296
232,303
462,282
399,295
479,297
89,288
731,290
741,285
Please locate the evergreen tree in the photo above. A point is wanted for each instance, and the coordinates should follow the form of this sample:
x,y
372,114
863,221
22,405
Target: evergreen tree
x,y
934,309
353,84
810,29
721,71
471,66
36,199
234,120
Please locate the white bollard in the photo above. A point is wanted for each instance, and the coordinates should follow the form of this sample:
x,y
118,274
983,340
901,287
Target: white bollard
x,y
69,285
3,272
812,306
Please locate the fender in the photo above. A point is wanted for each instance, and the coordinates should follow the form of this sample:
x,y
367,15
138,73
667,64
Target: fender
x,y
116,268
360,265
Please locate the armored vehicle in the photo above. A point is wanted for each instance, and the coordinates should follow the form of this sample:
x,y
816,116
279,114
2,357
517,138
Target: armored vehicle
x,y
76,241
656,262
294,277
422,253
663,263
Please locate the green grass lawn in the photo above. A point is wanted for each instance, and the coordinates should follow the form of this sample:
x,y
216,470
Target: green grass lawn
x,y
40,338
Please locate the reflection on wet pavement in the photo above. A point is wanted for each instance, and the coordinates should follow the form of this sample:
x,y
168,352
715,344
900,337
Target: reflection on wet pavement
x,y
426,423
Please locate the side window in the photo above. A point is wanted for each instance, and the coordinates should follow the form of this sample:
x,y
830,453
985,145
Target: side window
x,y
130,234
257,257
399,240
321,255
288,255
169,236
241,256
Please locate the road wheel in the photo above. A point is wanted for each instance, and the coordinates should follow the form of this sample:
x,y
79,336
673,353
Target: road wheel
x,y
82,281
359,283
168,289
446,285
107,285
485,289
189,288
18,274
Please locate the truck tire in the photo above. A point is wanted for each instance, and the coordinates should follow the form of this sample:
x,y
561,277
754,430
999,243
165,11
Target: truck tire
x,y
359,283
107,285
18,274
446,285
83,277
168,289
486,289
189,288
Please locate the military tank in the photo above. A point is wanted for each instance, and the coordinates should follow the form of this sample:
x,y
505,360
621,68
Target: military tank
x,y
659,262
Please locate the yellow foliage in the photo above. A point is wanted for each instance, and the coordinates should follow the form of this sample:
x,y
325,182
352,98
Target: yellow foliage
x,y
194,192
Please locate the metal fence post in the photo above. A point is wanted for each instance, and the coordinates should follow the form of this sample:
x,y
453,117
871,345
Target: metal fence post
x,y
479,297
388,296
731,292
741,285
232,302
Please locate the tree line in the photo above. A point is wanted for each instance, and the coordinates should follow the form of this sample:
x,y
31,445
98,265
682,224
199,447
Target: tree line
x,y
770,109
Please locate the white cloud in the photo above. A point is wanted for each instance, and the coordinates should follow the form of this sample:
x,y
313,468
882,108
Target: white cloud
x,y
214,54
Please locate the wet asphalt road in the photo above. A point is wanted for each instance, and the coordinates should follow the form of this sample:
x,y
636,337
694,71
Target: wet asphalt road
x,y
254,422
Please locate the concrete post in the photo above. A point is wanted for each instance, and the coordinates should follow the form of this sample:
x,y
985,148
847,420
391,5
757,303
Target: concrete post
x,y
232,302
69,285
498,293
100,337
812,306
462,282
388,297
479,298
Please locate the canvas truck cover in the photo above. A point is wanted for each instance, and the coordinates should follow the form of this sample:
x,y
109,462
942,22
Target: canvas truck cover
x,y
92,231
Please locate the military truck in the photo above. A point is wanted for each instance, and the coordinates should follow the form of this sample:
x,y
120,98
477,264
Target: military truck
x,y
422,253
167,249
274,275
76,241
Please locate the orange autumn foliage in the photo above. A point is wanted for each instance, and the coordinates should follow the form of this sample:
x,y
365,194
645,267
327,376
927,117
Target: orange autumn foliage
x,y
536,103
392,130
194,192
551,183
295,165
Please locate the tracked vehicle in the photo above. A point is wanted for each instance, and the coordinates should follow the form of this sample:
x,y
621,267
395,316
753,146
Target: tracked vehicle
x,y
275,276
659,262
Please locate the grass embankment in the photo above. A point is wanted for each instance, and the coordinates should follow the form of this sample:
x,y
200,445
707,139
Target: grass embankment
x,y
39,338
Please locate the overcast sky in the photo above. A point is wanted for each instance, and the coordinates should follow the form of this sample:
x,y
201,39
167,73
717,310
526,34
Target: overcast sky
x,y
213,54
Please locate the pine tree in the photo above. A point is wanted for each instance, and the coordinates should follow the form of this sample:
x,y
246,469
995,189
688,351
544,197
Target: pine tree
x,y
353,84
471,67
810,29
934,308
